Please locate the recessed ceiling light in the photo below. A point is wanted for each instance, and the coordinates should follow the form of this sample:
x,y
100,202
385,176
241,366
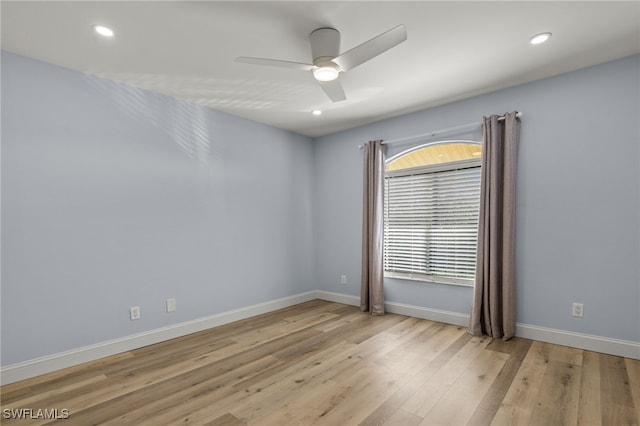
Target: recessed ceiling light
x,y
540,38
103,31
316,112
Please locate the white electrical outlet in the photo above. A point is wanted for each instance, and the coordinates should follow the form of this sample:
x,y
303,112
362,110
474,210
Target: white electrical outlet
x,y
171,305
343,279
134,313
578,310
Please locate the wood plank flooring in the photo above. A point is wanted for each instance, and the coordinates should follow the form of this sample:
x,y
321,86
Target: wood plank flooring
x,y
323,363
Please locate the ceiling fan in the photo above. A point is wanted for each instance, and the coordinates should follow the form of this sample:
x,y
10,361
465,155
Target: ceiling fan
x,y
328,63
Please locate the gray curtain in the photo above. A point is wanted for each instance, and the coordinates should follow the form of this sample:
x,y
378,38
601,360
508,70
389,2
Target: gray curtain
x,y
372,294
494,304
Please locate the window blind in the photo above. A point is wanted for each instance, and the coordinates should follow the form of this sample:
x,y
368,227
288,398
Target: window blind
x,y
431,223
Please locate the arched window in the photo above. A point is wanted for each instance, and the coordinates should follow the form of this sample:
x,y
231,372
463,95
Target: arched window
x,y
432,198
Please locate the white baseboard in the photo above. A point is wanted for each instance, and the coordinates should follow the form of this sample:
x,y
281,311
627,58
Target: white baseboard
x,y
589,342
624,348
35,367
437,315
401,309
345,299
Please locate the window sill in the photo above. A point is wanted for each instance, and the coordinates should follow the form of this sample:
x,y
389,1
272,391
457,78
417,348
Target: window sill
x,y
430,279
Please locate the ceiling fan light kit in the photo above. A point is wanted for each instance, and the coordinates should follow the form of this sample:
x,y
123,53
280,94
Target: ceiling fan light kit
x,y
326,72
328,63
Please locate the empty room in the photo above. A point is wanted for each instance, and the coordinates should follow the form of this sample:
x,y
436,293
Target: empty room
x,y
320,213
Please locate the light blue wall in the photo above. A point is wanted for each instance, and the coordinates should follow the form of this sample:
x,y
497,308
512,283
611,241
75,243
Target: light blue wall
x,y
114,196
578,214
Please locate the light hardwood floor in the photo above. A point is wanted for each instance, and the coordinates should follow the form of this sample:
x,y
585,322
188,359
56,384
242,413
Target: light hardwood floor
x,y
329,364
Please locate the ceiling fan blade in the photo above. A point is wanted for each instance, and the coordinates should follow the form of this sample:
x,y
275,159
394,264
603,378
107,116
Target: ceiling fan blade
x,y
275,63
372,48
334,90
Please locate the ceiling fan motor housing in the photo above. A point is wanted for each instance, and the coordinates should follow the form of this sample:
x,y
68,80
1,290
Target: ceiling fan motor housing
x,y
325,45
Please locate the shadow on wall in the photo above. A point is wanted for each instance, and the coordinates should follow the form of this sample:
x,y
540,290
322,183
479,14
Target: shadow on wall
x,y
184,122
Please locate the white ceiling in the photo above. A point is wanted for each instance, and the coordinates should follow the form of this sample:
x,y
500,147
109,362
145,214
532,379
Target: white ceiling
x,y
187,49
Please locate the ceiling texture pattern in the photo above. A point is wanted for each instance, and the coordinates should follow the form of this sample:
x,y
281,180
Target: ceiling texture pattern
x,y
187,49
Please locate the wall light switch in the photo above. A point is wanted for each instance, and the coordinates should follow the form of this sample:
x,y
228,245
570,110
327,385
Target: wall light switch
x,y
343,279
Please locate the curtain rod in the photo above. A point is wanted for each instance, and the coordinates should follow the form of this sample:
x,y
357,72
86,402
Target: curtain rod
x,y
468,126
